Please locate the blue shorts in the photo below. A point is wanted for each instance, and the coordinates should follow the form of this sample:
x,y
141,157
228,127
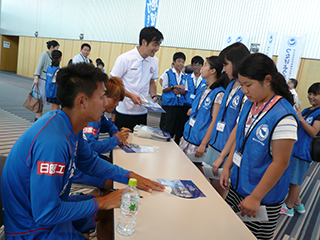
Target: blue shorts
x,y
298,170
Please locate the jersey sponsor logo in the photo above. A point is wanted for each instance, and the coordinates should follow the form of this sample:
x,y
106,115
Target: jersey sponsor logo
x,y
262,132
50,168
90,130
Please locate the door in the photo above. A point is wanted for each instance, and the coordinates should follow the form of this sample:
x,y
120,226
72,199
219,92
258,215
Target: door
x,y
9,53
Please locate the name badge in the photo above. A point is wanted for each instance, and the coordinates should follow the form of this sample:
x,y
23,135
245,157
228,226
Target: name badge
x,y
178,95
237,158
192,96
192,122
220,126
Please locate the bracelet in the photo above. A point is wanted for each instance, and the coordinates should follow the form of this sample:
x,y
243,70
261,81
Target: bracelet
x,y
172,87
154,96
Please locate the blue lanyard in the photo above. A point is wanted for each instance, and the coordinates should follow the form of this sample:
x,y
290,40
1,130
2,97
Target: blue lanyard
x,y
252,124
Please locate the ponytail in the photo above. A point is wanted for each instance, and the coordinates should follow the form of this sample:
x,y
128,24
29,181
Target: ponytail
x,y
222,78
280,87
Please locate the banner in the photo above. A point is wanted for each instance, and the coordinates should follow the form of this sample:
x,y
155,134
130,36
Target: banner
x,y
151,13
232,38
290,52
270,44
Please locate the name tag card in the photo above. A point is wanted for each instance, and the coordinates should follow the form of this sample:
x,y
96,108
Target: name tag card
x,y
237,158
220,126
192,122
192,96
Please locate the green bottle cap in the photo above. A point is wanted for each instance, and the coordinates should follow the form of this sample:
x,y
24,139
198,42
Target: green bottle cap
x,y
133,182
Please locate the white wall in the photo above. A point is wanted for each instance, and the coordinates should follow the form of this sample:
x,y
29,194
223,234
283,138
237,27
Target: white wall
x,y
184,23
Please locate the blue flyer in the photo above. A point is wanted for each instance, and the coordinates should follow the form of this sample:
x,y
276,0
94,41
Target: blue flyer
x,y
151,106
182,188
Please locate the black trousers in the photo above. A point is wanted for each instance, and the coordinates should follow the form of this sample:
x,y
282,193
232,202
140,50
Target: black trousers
x,y
129,121
173,121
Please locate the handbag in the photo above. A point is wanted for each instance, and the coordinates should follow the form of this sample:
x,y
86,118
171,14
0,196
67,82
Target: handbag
x,y
34,101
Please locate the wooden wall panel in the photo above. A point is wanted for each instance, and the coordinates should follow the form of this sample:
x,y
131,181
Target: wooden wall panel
x,y
30,49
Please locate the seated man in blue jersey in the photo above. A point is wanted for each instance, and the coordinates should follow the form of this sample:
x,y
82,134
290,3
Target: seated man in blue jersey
x,y
35,182
114,93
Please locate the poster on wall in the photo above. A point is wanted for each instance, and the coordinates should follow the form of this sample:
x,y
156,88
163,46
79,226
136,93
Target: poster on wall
x,y
290,53
151,13
233,38
6,44
270,44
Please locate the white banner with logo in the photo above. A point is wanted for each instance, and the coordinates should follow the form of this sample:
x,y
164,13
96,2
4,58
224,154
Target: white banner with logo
x,y
232,38
270,44
290,52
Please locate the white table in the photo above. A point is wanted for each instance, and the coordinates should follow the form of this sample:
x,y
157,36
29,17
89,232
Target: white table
x,y
164,216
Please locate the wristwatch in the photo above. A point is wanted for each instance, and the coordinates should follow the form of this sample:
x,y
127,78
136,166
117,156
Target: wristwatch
x,y
172,87
154,96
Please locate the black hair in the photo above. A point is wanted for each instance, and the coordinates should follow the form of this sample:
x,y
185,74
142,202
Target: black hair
x,y
197,59
53,43
179,55
294,81
216,64
70,62
99,62
235,53
188,69
314,88
56,55
85,45
75,79
150,34
257,66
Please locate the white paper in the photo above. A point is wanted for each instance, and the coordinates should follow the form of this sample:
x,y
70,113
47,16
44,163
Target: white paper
x,y
193,158
262,216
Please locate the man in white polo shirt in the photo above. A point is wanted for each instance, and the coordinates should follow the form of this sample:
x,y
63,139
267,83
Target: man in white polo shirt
x,y
138,69
83,55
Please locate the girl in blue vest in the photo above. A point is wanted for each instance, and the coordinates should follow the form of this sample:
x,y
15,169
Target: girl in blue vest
x,y
266,126
205,107
51,86
308,128
226,120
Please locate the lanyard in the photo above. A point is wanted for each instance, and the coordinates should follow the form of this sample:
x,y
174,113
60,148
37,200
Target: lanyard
x,y
252,124
199,105
83,58
225,109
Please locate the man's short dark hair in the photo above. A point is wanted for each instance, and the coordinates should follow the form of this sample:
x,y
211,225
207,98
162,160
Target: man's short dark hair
x,y
179,55
294,81
85,45
197,59
75,79
150,34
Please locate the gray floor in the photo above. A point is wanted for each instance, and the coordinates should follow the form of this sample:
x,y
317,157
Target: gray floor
x,y
15,119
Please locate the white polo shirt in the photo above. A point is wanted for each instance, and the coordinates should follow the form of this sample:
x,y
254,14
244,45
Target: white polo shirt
x,y
136,73
196,82
79,58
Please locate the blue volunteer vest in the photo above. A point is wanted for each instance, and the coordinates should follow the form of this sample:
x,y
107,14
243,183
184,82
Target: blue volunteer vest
x,y
192,89
170,98
227,114
202,117
51,88
301,148
256,156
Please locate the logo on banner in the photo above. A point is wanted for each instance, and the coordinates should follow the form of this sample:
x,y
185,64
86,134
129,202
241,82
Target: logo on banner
x,y
229,39
271,39
292,42
239,39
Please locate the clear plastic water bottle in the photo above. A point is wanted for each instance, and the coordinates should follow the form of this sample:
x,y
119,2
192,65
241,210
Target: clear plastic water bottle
x,y
128,209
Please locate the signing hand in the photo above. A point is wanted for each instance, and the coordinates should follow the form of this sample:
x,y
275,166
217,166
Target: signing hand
x,y
123,135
